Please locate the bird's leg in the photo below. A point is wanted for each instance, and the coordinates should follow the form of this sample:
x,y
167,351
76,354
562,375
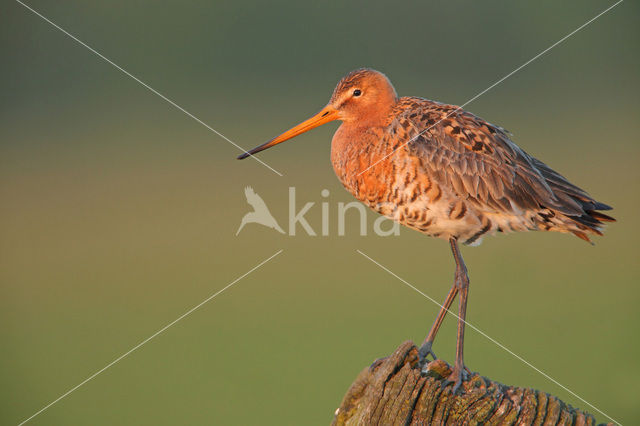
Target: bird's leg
x,y
425,349
459,373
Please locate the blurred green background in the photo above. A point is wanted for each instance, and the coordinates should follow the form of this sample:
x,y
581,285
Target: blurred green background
x,y
118,212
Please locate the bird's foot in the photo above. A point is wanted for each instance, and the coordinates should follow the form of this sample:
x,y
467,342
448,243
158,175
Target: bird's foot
x,y
457,376
423,352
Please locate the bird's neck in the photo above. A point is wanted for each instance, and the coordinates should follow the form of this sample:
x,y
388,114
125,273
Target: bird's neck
x,y
358,141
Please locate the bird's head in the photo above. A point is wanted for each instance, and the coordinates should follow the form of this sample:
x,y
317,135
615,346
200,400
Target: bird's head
x,y
362,97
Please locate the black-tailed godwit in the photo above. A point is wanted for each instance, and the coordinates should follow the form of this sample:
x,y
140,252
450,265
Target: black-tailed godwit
x,y
444,172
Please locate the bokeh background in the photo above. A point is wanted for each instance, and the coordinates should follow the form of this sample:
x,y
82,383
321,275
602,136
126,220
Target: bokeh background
x,y
118,212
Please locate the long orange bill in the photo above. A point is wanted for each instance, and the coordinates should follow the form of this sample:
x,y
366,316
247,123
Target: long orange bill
x,y
326,115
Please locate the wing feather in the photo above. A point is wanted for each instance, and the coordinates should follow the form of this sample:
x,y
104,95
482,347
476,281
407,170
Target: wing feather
x,y
478,161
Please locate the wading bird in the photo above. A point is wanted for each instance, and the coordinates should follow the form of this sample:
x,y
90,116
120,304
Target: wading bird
x,y
444,172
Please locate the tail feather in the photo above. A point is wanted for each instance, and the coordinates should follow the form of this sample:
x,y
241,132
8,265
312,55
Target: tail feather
x,y
581,235
589,222
570,209
601,216
582,221
578,210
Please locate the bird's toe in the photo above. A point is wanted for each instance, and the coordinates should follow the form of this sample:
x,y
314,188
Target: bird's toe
x,y
457,377
424,351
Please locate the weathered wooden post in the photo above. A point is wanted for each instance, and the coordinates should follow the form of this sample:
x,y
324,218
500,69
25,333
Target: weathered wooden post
x,y
392,391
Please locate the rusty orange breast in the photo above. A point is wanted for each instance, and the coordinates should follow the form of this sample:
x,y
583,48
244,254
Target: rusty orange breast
x,y
360,158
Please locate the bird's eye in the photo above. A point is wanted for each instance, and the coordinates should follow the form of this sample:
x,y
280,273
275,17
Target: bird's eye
x,y
357,92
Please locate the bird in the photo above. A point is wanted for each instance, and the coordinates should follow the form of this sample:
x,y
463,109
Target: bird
x,y
444,172
260,213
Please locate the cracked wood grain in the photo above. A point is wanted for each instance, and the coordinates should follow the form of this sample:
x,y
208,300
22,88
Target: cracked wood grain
x,y
392,391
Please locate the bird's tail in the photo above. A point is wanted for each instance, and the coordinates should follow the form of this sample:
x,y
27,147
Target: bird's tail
x,y
582,224
576,211
591,222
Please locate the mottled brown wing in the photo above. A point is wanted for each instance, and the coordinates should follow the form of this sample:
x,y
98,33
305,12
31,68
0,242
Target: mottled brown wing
x,y
477,161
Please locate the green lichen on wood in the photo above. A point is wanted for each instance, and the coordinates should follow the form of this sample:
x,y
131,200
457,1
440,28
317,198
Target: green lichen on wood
x,y
392,391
